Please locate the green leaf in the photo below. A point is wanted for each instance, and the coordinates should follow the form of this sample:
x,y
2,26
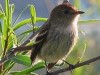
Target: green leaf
x,y
3,42
7,7
33,14
4,27
24,22
29,70
22,59
11,10
13,35
40,19
31,43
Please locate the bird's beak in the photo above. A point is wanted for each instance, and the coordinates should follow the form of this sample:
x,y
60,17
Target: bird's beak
x,y
80,12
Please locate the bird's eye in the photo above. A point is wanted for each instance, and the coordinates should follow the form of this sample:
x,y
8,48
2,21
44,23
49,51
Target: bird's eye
x,y
66,11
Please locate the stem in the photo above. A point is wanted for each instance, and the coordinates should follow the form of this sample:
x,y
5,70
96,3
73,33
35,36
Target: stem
x,y
76,66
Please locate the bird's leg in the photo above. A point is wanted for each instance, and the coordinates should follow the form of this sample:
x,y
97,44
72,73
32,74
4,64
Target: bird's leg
x,y
47,72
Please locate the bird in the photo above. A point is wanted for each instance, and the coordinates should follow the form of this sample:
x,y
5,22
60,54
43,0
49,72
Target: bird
x,y
58,35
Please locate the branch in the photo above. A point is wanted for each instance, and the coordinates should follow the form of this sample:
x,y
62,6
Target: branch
x,y
75,66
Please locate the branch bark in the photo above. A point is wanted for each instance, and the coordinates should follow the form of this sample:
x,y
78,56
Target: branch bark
x,y
75,66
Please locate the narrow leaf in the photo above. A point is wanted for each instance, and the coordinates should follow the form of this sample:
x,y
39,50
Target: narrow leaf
x,y
33,14
22,59
24,22
29,70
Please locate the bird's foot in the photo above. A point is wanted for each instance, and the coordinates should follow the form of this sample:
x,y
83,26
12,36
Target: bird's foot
x,y
47,72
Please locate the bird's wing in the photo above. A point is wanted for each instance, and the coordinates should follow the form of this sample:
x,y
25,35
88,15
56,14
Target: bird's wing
x,y
40,39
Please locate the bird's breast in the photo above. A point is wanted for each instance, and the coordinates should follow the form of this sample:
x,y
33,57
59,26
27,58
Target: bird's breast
x,y
59,43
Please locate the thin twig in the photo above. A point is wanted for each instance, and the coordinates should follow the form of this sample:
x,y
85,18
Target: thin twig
x,y
75,66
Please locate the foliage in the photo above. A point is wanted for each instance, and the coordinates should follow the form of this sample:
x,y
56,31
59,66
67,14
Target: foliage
x,y
9,39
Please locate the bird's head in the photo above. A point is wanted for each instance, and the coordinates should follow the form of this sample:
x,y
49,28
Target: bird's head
x,y
65,11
